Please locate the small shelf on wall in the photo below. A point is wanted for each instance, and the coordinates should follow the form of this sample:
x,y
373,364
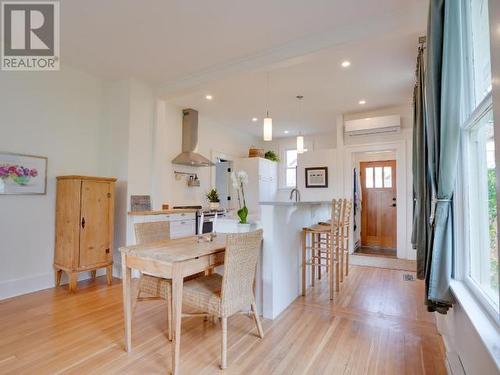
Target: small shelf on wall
x,y
191,178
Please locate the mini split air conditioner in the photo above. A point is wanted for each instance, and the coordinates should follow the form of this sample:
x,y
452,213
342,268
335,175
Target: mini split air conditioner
x,y
373,125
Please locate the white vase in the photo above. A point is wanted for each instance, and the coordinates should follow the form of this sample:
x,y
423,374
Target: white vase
x,y
214,205
245,228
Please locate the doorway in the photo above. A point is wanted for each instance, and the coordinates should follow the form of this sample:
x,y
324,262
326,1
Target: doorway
x,y
378,208
223,184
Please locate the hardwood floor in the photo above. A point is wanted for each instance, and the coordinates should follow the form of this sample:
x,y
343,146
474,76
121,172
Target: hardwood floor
x,y
377,325
376,251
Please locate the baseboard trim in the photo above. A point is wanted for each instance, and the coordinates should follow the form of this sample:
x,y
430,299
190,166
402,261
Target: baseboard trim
x,y
16,287
454,365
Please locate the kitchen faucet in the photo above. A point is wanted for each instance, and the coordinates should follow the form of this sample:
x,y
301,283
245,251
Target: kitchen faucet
x,y
297,194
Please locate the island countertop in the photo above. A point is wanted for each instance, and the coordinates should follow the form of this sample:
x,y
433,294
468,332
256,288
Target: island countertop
x,y
293,203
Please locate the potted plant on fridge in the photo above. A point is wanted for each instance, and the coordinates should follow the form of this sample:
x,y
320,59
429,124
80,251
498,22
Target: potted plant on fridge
x,y
213,199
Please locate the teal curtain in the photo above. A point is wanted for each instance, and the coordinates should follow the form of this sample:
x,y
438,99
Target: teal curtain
x,y
442,122
421,200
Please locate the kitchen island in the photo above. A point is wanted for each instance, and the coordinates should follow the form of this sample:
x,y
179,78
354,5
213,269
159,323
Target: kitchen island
x,y
282,222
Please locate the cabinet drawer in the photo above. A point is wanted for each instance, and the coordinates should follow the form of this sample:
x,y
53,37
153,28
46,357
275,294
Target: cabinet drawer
x,y
196,265
184,228
182,216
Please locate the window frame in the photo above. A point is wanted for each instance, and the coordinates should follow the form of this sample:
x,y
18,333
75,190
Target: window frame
x,y
282,182
462,269
471,114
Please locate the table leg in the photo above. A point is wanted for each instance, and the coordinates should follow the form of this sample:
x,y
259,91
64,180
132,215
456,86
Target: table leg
x,y
177,285
127,306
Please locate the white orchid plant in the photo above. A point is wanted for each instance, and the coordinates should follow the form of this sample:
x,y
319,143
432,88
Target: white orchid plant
x,y
240,179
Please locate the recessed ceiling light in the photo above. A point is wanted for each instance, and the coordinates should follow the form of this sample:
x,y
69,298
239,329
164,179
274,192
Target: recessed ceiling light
x,y
255,119
209,97
286,132
362,102
345,64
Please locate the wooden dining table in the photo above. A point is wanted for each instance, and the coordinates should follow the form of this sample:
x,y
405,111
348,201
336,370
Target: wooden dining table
x,y
174,260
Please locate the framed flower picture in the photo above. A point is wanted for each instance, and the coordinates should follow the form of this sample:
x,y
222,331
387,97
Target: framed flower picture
x,y
22,174
317,177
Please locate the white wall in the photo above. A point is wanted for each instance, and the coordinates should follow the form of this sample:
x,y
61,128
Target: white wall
x,y
88,126
464,345
52,114
320,158
465,351
338,153
116,141
213,139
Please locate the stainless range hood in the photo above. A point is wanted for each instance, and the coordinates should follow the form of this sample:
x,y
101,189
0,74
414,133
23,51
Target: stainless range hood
x,y
189,142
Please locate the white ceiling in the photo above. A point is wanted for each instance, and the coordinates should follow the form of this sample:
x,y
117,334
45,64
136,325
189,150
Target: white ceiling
x,y
187,49
381,72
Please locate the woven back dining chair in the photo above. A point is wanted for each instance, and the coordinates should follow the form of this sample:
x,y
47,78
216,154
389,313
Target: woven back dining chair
x,y
154,287
226,295
151,232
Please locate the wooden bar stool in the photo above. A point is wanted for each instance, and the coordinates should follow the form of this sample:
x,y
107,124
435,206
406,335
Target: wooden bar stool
x,y
325,245
345,230
345,225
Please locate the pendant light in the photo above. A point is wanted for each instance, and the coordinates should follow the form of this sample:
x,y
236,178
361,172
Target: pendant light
x,y
268,121
300,137
300,144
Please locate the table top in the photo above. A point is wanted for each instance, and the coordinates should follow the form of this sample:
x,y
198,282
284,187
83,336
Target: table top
x,y
178,250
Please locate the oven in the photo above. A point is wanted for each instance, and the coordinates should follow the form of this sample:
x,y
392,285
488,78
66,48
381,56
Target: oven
x,y
208,217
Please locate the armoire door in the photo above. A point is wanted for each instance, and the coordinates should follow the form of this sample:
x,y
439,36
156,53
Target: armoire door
x,y
95,223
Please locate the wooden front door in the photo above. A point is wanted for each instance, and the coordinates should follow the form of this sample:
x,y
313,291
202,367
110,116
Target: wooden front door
x,y
95,246
378,204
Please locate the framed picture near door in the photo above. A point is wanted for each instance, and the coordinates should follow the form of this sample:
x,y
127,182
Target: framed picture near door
x,y
22,174
317,177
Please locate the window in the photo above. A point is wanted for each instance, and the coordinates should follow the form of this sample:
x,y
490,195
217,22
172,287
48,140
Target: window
x,y
480,49
388,177
291,168
383,177
369,178
483,243
478,160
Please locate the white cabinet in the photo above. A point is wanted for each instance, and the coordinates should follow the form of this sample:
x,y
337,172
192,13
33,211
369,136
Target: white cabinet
x,y
262,181
181,224
182,228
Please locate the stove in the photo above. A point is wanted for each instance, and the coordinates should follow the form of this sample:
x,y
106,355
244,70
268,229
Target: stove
x,y
205,215
187,207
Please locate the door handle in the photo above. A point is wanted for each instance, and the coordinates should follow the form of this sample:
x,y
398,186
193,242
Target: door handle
x,y
83,223
393,205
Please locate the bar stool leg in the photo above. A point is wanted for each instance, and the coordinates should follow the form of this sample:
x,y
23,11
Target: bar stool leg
x,y
320,251
329,245
330,274
304,261
347,256
337,270
341,253
314,252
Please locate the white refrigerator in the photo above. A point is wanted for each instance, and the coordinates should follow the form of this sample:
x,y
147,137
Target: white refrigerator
x,y
262,182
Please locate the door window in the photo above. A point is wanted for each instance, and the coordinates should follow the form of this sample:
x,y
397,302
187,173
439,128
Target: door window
x,y
378,177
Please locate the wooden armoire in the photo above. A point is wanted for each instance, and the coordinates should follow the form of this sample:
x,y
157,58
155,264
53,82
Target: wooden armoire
x,y
84,227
